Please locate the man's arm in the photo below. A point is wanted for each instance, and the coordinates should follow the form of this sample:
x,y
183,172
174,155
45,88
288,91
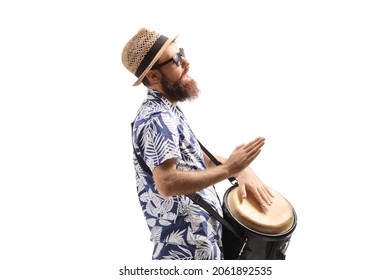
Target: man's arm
x,y
248,181
170,181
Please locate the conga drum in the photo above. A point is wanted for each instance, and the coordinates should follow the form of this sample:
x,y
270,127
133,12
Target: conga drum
x,y
267,232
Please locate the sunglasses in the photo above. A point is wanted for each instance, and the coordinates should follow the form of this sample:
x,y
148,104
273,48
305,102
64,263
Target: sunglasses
x,y
177,59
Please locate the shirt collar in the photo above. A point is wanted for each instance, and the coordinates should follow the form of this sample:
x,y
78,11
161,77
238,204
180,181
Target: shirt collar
x,y
158,95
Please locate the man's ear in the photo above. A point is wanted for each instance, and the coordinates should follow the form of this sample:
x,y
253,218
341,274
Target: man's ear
x,y
154,77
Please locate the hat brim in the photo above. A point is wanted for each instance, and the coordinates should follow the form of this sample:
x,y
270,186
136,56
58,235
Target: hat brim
x,y
158,55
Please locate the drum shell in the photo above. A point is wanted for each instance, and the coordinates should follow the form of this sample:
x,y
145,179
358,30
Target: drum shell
x,y
260,246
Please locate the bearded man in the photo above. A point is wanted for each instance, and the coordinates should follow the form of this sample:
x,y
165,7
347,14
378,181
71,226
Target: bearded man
x,y
169,162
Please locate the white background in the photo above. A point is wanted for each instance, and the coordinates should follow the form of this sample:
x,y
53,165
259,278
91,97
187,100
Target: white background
x,y
310,76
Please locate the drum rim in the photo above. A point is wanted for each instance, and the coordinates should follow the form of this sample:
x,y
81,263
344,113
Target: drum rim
x,y
284,233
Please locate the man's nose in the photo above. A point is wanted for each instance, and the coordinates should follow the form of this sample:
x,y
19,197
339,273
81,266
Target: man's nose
x,y
185,63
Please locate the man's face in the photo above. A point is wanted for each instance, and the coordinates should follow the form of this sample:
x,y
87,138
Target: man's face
x,y
175,81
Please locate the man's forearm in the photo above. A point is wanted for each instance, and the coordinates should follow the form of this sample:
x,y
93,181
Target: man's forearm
x,y
170,182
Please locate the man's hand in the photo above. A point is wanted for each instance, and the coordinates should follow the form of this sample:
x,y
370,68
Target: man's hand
x,y
239,162
248,181
243,155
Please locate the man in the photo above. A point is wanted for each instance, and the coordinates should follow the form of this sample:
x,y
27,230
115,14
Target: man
x,y
170,162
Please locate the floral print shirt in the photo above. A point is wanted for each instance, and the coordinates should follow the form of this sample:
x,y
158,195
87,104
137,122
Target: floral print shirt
x,y
179,228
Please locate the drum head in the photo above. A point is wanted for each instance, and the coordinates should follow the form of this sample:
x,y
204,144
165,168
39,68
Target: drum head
x,y
276,220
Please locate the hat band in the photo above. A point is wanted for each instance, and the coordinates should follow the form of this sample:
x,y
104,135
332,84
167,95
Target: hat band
x,y
150,55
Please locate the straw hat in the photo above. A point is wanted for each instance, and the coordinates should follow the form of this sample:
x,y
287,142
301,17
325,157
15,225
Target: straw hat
x,y
143,51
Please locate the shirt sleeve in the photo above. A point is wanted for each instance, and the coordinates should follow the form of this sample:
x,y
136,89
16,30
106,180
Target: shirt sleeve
x,y
159,140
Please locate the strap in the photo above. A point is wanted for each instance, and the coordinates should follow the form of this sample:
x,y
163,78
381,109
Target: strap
x,y
232,180
210,155
139,158
196,198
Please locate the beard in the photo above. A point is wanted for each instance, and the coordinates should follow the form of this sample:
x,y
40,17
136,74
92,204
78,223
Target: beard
x,y
184,89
